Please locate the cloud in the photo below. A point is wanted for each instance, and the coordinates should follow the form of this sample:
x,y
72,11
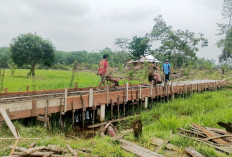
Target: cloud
x,y
94,25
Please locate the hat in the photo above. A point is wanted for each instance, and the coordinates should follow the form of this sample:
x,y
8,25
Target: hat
x,y
166,60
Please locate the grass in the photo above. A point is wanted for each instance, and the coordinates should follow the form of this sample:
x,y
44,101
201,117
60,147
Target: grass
x,y
58,79
205,109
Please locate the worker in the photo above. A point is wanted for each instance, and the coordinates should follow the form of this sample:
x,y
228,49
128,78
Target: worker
x,y
167,71
102,70
152,69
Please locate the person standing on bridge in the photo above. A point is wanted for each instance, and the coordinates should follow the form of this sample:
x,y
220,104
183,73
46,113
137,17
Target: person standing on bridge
x,y
167,71
102,70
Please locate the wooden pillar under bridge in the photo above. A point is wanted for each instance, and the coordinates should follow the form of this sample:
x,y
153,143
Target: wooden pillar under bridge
x,y
118,106
146,103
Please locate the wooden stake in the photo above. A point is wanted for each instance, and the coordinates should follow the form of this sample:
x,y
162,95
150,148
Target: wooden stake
x,y
118,106
111,109
13,149
27,89
6,90
124,107
127,92
61,111
73,115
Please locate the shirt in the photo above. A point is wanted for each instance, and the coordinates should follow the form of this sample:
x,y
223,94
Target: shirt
x,y
103,64
166,68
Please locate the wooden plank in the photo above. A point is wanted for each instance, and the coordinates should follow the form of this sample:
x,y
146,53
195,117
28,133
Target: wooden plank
x,y
34,107
137,150
210,134
9,123
65,99
163,144
159,141
193,153
127,91
90,97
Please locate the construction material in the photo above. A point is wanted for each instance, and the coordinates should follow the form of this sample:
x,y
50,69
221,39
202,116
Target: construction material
x,y
71,150
164,143
193,153
137,128
137,150
158,141
217,138
50,150
13,149
9,123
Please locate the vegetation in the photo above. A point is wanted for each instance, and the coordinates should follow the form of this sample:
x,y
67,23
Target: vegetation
x,y
205,109
31,49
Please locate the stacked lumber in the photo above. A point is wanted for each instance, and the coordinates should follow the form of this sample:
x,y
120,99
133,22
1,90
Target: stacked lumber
x,y
217,138
50,151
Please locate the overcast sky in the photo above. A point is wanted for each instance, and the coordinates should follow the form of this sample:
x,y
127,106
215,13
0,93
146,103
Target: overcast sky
x,y
93,25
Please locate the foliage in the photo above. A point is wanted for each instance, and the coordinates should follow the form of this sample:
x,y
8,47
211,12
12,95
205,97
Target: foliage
x,y
31,49
226,45
12,67
176,43
139,46
227,15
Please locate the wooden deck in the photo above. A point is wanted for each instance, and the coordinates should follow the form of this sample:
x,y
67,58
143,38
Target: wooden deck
x,y
34,103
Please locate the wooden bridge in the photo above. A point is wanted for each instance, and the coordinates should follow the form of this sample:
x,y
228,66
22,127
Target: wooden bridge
x,y
42,104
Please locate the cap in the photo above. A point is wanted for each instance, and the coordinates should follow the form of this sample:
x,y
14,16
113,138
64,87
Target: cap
x,y
166,60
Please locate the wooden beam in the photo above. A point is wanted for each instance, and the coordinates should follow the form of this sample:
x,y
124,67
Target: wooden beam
x,y
9,123
210,134
137,150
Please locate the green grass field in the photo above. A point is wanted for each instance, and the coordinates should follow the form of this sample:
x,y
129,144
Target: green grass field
x,y
58,79
47,79
205,109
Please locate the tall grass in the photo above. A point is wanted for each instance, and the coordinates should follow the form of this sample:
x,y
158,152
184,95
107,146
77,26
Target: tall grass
x,y
205,109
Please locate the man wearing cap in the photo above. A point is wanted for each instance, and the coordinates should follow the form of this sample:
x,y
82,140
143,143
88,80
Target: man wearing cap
x,y
167,71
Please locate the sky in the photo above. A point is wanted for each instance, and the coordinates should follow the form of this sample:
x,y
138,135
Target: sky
x,y
92,25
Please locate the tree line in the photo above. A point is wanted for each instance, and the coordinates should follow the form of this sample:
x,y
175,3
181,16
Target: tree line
x,y
179,46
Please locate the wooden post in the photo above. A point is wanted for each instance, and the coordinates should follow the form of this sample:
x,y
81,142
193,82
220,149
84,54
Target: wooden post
x,y
172,93
146,103
6,90
157,94
102,114
112,110
46,119
151,93
34,108
73,115
65,100
27,88
167,92
75,85
191,89
83,111
124,107
164,94
127,92
61,111
118,106
107,95
90,97
184,88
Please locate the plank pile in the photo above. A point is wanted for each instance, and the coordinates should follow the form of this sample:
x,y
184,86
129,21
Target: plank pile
x,y
217,138
50,151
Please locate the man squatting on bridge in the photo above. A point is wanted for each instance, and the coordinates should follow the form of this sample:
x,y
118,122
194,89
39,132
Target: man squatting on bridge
x,y
152,75
102,70
167,71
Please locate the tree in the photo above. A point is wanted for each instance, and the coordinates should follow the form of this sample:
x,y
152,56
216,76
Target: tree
x,y
139,46
225,29
177,43
227,15
31,49
226,44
